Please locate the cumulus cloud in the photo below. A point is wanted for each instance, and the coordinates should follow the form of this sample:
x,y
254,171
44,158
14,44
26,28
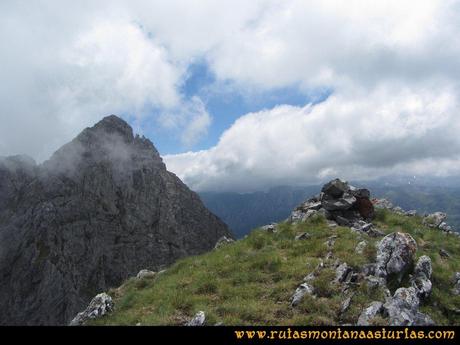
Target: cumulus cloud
x,y
393,68
367,135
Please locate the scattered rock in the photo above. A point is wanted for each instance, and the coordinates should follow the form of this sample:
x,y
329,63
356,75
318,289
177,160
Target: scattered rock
x,y
421,279
360,247
402,309
270,227
335,188
224,240
342,221
444,254
344,203
99,306
198,320
395,254
345,304
445,227
369,313
145,274
456,289
303,236
342,271
433,220
300,292
411,213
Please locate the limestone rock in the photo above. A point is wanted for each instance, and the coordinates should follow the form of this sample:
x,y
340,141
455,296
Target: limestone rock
x,y
335,188
402,309
223,241
435,219
395,254
99,306
198,320
456,289
145,274
360,247
369,313
269,227
300,292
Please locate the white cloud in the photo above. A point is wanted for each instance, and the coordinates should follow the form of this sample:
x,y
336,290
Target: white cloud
x,y
190,118
393,66
406,130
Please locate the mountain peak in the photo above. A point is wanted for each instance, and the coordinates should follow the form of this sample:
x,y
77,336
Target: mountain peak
x,y
114,124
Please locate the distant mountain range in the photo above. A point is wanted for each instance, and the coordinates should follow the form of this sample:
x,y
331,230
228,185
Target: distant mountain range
x,y
244,212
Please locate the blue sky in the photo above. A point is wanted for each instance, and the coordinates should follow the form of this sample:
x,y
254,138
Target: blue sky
x,y
225,103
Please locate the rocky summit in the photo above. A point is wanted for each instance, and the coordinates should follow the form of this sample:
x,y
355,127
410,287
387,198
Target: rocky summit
x,y
341,258
102,208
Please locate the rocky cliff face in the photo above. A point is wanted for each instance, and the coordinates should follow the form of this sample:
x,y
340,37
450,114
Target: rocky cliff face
x,y
99,210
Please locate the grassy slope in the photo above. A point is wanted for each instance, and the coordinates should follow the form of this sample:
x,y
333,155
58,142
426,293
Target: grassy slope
x,y
250,282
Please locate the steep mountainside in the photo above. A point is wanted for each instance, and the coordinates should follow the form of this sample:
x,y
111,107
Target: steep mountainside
x,y
244,212
99,210
338,260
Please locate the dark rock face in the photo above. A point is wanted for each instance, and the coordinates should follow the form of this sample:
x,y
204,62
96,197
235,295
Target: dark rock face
x,y
99,210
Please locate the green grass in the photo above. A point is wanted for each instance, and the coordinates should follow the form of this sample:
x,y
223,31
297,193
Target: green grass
x,y
251,281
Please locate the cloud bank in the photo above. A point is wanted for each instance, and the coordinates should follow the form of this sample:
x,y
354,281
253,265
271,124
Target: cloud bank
x,y
393,68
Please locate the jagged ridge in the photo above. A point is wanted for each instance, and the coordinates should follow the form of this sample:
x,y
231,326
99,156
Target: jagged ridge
x,y
100,209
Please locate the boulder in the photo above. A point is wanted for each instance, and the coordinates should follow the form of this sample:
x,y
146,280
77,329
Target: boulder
x,y
145,274
335,188
444,254
224,240
99,306
445,227
300,292
395,254
270,227
420,280
365,207
369,313
433,220
198,320
411,213
342,272
360,247
343,203
402,309
456,289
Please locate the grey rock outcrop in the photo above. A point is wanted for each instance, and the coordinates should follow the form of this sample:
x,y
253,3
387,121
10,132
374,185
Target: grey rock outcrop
x,y
456,288
420,280
302,290
402,309
395,254
198,320
435,219
99,210
224,240
99,306
145,274
365,318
